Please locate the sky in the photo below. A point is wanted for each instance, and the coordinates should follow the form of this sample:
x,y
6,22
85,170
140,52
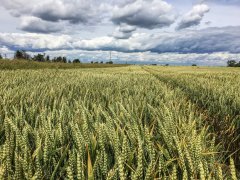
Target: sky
x,y
202,32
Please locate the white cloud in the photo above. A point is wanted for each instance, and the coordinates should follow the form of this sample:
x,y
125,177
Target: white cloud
x,y
210,40
213,59
32,41
129,28
217,59
193,17
5,51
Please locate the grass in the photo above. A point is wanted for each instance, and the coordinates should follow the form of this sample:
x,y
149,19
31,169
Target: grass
x,y
24,64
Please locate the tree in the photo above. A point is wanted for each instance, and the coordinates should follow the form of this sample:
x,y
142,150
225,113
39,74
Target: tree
x,y
101,62
91,62
76,61
64,59
39,57
59,59
18,54
109,62
1,56
232,63
48,58
194,64
21,54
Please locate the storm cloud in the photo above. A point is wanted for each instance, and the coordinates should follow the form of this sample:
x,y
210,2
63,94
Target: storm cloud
x,y
123,31
226,39
145,14
37,25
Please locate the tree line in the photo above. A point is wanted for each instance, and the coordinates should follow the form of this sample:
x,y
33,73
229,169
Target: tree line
x,y
23,55
233,63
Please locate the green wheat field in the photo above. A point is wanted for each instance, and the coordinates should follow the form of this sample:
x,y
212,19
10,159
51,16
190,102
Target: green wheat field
x,y
130,122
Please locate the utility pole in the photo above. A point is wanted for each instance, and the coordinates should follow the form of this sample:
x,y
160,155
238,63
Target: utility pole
x,y
110,56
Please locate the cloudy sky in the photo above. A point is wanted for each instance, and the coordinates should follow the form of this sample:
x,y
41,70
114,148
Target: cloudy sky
x,y
206,32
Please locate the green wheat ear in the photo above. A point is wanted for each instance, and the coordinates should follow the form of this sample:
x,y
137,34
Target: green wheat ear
x,y
233,169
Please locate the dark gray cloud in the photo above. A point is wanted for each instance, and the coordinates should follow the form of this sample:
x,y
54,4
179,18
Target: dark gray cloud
x,y
193,17
124,31
37,25
126,28
210,40
80,11
72,11
121,35
148,14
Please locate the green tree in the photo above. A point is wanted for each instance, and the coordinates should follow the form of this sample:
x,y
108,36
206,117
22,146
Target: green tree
x,y
47,58
64,59
1,56
232,63
238,64
109,62
76,61
18,54
21,54
59,59
39,57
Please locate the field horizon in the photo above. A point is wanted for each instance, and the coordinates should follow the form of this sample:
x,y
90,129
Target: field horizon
x,y
29,64
9,64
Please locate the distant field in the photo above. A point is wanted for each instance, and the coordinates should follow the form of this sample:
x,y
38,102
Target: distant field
x,y
24,64
134,122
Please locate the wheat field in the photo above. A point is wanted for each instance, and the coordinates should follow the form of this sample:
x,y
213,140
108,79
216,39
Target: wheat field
x,y
135,122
